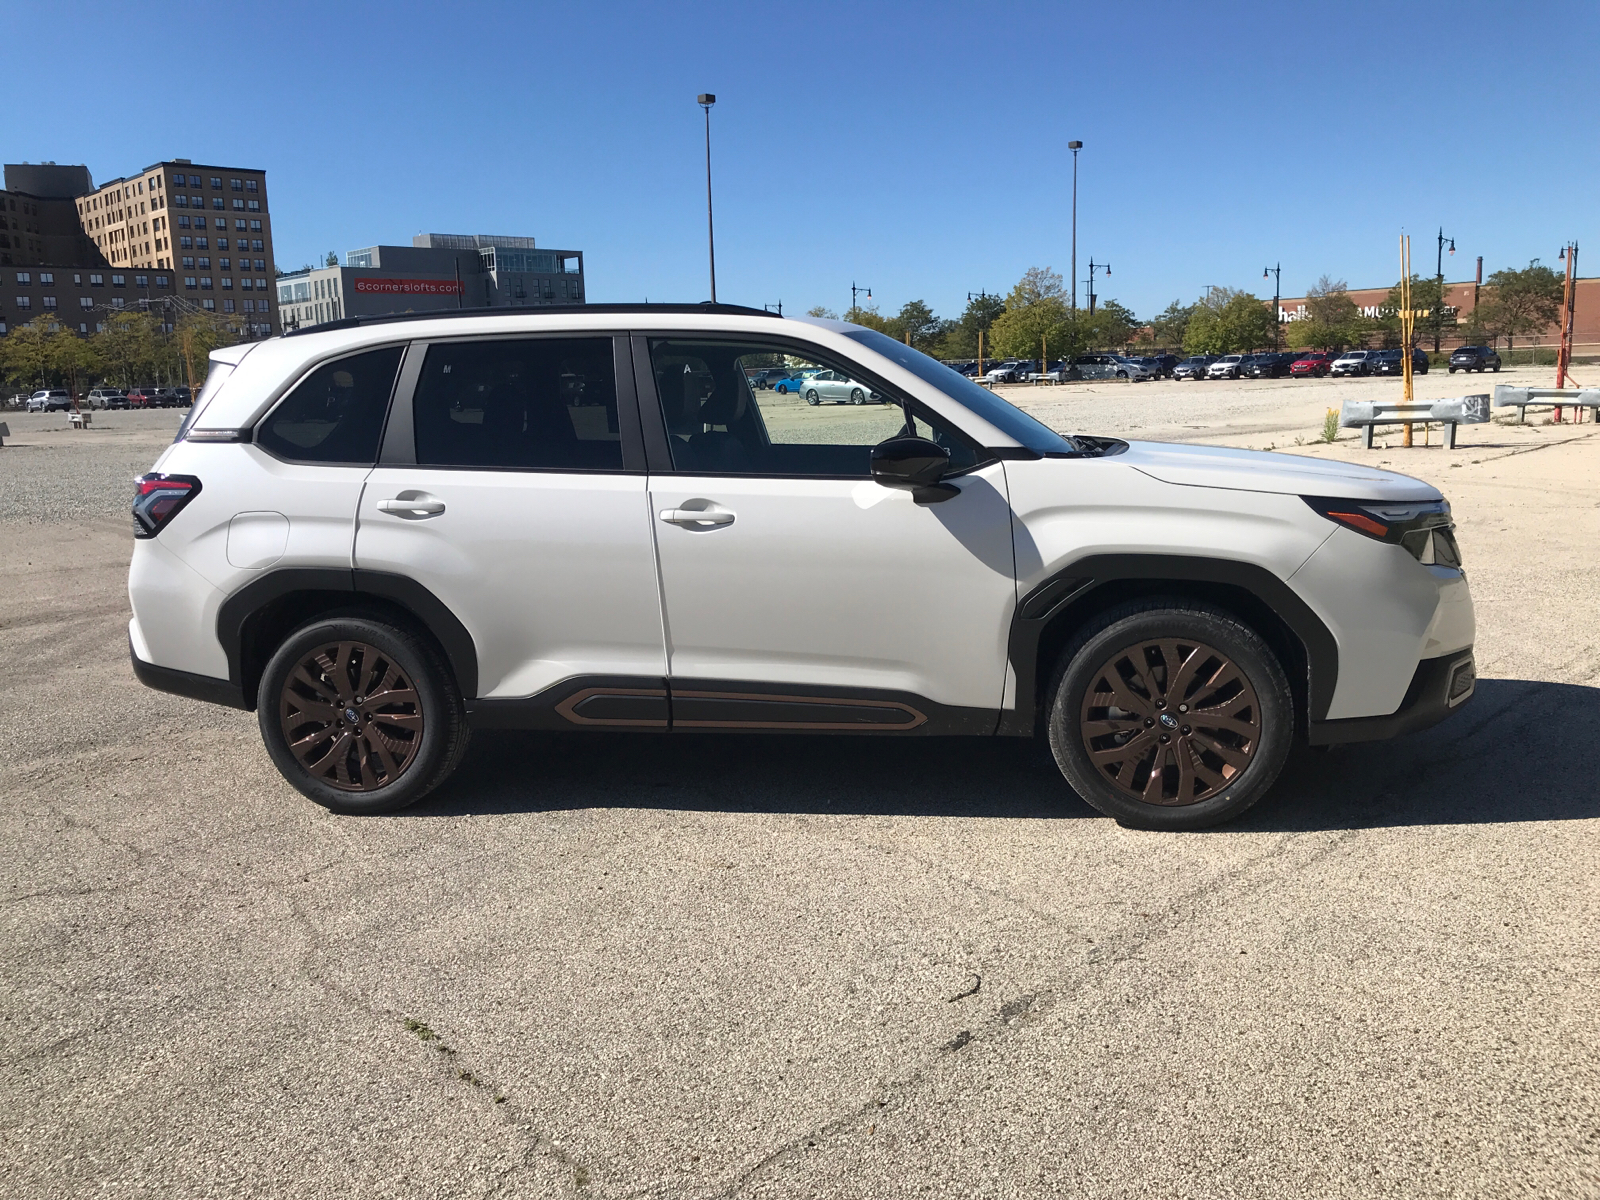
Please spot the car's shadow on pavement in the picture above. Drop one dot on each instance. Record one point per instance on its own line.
(1518, 752)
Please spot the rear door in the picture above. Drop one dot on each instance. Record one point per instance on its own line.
(512, 487)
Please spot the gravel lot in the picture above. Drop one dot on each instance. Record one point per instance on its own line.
(680, 967)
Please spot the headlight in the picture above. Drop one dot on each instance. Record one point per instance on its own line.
(1425, 529)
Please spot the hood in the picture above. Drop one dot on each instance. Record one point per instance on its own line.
(1261, 471)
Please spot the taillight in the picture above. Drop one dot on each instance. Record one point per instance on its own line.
(1425, 529)
(159, 498)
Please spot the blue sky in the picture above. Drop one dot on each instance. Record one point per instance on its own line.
(919, 149)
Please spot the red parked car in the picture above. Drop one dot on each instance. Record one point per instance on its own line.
(143, 397)
(1311, 366)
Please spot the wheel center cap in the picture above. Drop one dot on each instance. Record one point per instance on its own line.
(352, 716)
(1170, 721)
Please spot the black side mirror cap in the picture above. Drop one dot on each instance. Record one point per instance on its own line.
(916, 465)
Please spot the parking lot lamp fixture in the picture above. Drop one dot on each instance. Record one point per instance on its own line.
(1074, 147)
(1093, 267)
(1438, 311)
(706, 100)
(1277, 295)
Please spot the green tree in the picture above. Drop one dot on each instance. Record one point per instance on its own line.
(1249, 322)
(916, 325)
(869, 317)
(1521, 302)
(331, 259)
(25, 353)
(821, 311)
(961, 336)
(1111, 326)
(1168, 326)
(1426, 296)
(1036, 319)
(74, 359)
(1332, 320)
(198, 334)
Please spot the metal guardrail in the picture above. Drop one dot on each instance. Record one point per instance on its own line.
(1366, 415)
(1520, 398)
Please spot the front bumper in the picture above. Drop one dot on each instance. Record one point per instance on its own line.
(1439, 687)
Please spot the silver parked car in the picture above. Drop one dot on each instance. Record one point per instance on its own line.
(837, 386)
(1109, 366)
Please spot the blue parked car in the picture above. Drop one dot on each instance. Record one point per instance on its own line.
(794, 383)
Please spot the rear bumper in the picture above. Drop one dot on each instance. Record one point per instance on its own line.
(1439, 687)
(186, 683)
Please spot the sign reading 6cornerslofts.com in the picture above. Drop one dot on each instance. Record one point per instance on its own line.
(410, 287)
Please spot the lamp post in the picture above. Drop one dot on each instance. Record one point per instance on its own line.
(706, 100)
(1438, 308)
(854, 289)
(1074, 147)
(1277, 295)
(983, 326)
(1093, 267)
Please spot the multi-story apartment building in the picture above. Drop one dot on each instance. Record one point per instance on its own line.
(208, 225)
(38, 220)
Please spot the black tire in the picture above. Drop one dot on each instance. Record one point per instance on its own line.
(443, 715)
(812, 397)
(1085, 660)
(1496, 368)
(857, 396)
(1452, 370)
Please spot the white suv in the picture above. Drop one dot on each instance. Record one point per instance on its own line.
(382, 533)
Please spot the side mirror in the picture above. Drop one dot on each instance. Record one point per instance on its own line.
(915, 465)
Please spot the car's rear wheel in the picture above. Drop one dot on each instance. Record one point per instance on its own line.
(1496, 368)
(1170, 714)
(360, 715)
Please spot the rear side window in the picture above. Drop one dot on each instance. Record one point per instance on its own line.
(529, 404)
(336, 413)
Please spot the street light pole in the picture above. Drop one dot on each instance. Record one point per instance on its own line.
(1093, 267)
(853, 290)
(1438, 308)
(1277, 296)
(706, 100)
(1074, 147)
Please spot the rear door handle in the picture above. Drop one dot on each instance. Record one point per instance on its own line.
(696, 518)
(412, 508)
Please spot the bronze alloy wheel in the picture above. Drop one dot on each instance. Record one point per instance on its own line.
(1170, 721)
(351, 716)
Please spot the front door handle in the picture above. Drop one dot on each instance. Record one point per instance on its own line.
(696, 518)
(413, 506)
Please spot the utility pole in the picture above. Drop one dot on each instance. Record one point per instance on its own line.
(1074, 147)
(706, 100)
(982, 328)
(1438, 311)
(1569, 305)
(1277, 296)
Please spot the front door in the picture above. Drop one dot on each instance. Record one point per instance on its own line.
(504, 491)
(798, 592)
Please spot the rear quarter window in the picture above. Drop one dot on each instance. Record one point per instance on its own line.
(335, 414)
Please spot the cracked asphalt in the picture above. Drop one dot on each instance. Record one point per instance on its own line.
(612, 966)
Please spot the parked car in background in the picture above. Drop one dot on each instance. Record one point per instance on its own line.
(795, 381)
(1108, 366)
(1194, 367)
(1351, 362)
(1165, 364)
(1058, 371)
(838, 388)
(1270, 366)
(1474, 358)
(118, 400)
(18, 401)
(101, 397)
(185, 396)
(1012, 371)
(1311, 365)
(1393, 362)
(1226, 367)
(50, 400)
(767, 377)
(144, 397)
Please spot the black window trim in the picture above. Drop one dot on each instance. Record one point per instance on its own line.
(658, 446)
(399, 445)
(252, 434)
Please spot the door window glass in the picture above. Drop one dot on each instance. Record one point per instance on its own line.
(807, 417)
(336, 413)
(531, 404)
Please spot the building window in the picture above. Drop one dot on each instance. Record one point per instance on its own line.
(47, 277)
(83, 327)
(227, 283)
(188, 282)
(255, 206)
(216, 183)
(141, 281)
(239, 204)
(205, 283)
(216, 202)
(223, 264)
(236, 184)
(24, 277)
(24, 301)
(186, 243)
(181, 201)
(209, 304)
(119, 281)
(205, 263)
(249, 305)
(238, 224)
(227, 306)
(2, 326)
(183, 221)
(97, 281)
(199, 222)
(255, 244)
(188, 262)
(85, 302)
(116, 302)
(77, 281)
(200, 243)
(161, 281)
(245, 284)
(255, 226)
(49, 301)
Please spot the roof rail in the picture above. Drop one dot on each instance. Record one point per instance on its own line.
(731, 310)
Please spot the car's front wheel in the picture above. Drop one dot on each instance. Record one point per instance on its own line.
(812, 397)
(857, 396)
(361, 715)
(1170, 714)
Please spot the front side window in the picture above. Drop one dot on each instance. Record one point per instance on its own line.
(335, 414)
(812, 418)
(534, 404)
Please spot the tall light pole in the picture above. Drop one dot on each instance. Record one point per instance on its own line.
(1074, 147)
(1438, 309)
(1093, 267)
(853, 290)
(1277, 296)
(706, 100)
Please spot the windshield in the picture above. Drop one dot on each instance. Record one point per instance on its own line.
(1007, 418)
